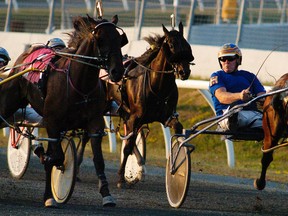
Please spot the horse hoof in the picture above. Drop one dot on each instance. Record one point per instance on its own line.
(141, 173)
(109, 201)
(258, 185)
(51, 203)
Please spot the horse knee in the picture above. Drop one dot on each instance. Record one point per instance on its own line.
(178, 127)
(175, 125)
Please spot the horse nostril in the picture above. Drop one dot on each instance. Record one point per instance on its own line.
(184, 74)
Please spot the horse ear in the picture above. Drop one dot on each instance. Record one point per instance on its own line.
(165, 30)
(115, 19)
(181, 28)
(90, 18)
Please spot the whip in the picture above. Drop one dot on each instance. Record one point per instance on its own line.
(263, 63)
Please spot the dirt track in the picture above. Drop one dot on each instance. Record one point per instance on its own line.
(208, 195)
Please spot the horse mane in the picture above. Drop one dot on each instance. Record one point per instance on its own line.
(83, 27)
(155, 42)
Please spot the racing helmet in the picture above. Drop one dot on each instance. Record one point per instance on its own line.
(4, 56)
(230, 49)
(56, 42)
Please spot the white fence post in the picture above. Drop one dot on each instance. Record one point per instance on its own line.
(167, 136)
(112, 136)
(230, 153)
(6, 131)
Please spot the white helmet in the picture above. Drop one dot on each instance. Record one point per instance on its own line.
(230, 49)
(56, 42)
(4, 56)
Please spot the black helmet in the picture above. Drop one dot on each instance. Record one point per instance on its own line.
(4, 56)
(56, 42)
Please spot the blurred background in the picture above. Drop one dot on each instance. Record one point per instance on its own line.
(256, 24)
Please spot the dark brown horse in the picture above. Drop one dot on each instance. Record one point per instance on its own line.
(73, 97)
(275, 116)
(149, 92)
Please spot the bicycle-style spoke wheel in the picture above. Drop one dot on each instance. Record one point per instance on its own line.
(133, 172)
(18, 153)
(63, 180)
(177, 184)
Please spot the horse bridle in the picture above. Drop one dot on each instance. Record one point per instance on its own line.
(124, 39)
(101, 61)
(173, 64)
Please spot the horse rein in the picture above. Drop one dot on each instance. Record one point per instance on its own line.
(71, 57)
(151, 70)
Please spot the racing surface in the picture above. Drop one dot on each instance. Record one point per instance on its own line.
(207, 195)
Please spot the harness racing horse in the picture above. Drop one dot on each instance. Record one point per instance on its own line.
(73, 97)
(275, 115)
(148, 92)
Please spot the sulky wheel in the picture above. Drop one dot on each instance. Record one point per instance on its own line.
(63, 178)
(18, 153)
(177, 184)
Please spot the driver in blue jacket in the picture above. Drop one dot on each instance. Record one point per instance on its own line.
(230, 86)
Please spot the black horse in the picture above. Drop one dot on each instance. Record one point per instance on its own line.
(148, 92)
(72, 97)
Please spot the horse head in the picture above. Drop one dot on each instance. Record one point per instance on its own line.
(105, 43)
(178, 51)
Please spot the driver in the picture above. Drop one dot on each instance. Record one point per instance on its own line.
(4, 60)
(230, 86)
(56, 44)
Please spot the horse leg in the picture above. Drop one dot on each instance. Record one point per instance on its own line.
(272, 131)
(126, 152)
(267, 158)
(174, 123)
(108, 200)
(53, 156)
(128, 148)
(80, 152)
